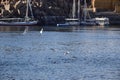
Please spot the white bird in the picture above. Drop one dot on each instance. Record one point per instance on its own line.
(67, 52)
(41, 31)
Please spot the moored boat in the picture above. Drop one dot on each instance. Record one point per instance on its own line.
(96, 22)
(92, 21)
(75, 19)
(84, 20)
(17, 22)
(102, 21)
(26, 21)
(70, 22)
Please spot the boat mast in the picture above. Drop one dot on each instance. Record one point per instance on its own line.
(31, 9)
(26, 17)
(73, 9)
(78, 9)
(85, 10)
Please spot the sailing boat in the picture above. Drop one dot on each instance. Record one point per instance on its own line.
(20, 21)
(73, 21)
(93, 21)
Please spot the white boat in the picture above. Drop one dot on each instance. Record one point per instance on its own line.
(27, 21)
(70, 22)
(96, 22)
(86, 21)
(93, 21)
(102, 21)
(73, 21)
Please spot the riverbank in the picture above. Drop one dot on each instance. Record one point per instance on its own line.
(49, 12)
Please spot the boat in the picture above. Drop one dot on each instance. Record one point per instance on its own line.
(93, 21)
(72, 21)
(96, 22)
(102, 21)
(16, 22)
(26, 21)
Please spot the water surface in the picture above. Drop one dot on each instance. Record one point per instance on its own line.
(72, 54)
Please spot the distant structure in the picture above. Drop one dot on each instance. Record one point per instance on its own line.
(110, 5)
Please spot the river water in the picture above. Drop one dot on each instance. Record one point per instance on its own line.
(77, 53)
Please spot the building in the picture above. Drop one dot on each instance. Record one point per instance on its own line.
(111, 5)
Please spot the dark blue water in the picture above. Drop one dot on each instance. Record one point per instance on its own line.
(79, 54)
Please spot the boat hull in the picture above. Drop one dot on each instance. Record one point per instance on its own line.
(60, 25)
(69, 24)
(29, 23)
